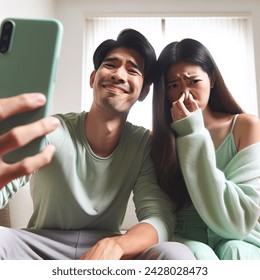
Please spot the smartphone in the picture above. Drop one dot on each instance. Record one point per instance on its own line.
(29, 54)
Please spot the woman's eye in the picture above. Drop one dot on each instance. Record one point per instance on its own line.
(193, 82)
(171, 85)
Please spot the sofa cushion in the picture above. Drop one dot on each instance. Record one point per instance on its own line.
(5, 217)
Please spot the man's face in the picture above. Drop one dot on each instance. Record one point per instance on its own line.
(118, 81)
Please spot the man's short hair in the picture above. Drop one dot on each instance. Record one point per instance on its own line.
(131, 39)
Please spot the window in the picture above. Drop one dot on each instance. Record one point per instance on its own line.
(229, 39)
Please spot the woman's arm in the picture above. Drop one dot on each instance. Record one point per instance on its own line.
(228, 201)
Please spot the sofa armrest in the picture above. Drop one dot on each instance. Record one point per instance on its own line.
(5, 217)
(18, 211)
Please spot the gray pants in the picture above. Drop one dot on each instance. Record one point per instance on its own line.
(71, 245)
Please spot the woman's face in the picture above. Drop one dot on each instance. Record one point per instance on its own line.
(185, 77)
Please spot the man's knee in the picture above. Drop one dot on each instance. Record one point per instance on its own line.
(6, 235)
(5, 240)
(167, 251)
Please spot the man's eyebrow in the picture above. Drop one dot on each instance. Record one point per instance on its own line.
(139, 68)
(110, 59)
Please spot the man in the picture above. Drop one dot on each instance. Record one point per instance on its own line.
(80, 199)
(20, 136)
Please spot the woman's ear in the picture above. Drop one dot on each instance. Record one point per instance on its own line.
(144, 93)
(92, 77)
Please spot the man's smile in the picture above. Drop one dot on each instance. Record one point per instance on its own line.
(115, 87)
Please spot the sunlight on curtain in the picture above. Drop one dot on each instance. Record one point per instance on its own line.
(229, 40)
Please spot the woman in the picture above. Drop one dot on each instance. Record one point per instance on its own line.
(206, 151)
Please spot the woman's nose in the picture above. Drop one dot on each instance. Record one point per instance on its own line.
(184, 90)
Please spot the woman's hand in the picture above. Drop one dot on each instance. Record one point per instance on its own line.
(183, 107)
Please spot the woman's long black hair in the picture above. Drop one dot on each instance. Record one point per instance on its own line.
(163, 152)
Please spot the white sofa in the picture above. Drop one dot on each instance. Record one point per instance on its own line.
(18, 211)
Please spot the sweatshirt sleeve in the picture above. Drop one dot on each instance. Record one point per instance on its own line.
(228, 201)
(153, 206)
(8, 191)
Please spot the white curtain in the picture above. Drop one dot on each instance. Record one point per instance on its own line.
(229, 39)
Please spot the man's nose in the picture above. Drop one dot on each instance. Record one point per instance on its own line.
(119, 75)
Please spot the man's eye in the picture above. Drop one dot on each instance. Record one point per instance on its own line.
(134, 72)
(109, 65)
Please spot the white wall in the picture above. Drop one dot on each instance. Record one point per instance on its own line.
(72, 14)
(71, 87)
(26, 8)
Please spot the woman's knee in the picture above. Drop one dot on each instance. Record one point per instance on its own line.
(237, 250)
(202, 251)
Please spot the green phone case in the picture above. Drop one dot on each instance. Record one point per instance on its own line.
(29, 66)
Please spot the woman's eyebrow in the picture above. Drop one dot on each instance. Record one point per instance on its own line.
(185, 75)
(192, 75)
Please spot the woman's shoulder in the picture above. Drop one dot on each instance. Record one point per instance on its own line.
(246, 130)
(247, 122)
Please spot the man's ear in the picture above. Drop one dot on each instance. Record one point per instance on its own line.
(144, 93)
(92, 77)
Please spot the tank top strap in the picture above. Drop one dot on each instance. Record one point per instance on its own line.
(234, 122)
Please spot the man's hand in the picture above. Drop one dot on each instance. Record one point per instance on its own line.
(105, 249)
(126, 246)
(20, 136)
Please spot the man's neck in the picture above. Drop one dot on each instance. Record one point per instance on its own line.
(103, 131)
